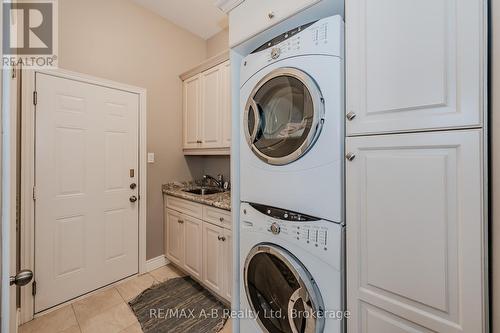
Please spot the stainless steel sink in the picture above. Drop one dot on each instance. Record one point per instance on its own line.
(204, 191)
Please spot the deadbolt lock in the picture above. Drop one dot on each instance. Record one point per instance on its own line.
(133, 186)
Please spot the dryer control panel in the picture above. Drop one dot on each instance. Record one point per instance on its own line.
(323, 37)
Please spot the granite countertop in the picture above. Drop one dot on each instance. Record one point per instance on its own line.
(218, 200)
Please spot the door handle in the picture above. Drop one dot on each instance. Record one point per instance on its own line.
(22, 278)
(133, 198)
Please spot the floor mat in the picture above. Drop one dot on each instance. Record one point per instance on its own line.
(179, 305)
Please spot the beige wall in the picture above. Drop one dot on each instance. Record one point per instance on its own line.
(218, 43)
(495, 166)
(120, 41)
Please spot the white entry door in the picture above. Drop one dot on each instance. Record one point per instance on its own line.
(86, 223)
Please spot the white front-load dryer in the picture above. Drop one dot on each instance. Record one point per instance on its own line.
(292, 117)
(291, 268)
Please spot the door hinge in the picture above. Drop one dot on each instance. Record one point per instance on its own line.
(33, 288)
(35, 98)
(34, 192)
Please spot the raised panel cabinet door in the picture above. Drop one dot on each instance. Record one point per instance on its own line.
(211, 108)
(226, 105)
(213, 256)
(415, 232)
(191, 112)
(252, 17)
(174, 237)
(193, 230)
(228, 265)
(414, 65)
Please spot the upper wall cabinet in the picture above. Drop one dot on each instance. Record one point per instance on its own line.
(414, 65)
(254, 16)
(206, 111)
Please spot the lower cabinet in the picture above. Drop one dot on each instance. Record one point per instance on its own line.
(213, 257)
(174, 237)
(228, 265)
(193, 246)
(415, 233)
(202, 249)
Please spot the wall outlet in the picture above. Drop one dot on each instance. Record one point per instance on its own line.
(151, 157)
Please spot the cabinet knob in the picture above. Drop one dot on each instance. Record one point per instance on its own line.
(180, 221)
(199, 141)
(221, 219)
(271, 15)
(350, 156)
(350, 116)
(221, 238)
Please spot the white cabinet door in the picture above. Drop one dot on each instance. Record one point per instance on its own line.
(213, 256)
(174, 237)
(226, 104)
(193, 229)
(253, 16)
(414, 65)
(228, 265)
(191, 112)
(211, 112)
(415, 230)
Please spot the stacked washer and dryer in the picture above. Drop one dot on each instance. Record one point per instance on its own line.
(292, 182)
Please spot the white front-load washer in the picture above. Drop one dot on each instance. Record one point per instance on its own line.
(291, 268)
(292, 117)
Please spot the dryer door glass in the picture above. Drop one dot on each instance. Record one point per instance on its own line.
(283, 116)
(281, 292)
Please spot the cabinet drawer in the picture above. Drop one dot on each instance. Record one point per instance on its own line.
(217, 216)
(186, 207)
(254, 16)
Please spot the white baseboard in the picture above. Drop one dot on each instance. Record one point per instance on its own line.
(155, 263)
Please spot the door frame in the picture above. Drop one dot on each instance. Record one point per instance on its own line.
(28, 171)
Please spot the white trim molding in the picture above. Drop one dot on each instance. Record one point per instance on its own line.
(28, 168)
(155, 263)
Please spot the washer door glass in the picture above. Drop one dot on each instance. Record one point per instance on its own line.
(281, 292)
(283, 116)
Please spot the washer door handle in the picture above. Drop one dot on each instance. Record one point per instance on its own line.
(300, 294)
(256, 116)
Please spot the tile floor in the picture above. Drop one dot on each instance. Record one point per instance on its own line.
(106, 311)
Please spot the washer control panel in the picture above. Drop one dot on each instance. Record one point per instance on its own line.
(319, 237)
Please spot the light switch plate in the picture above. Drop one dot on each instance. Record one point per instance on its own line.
(151, 157)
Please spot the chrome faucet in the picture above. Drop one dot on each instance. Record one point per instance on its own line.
(219, 180)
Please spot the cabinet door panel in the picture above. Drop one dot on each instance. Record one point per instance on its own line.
(414, 65)
(251, 17)
(415, 230)
(174, 237)
(193, 246)
(228, 265)
(191, 111)
(226, 104)
(374, 320)
(211, 121)
(213, 257)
